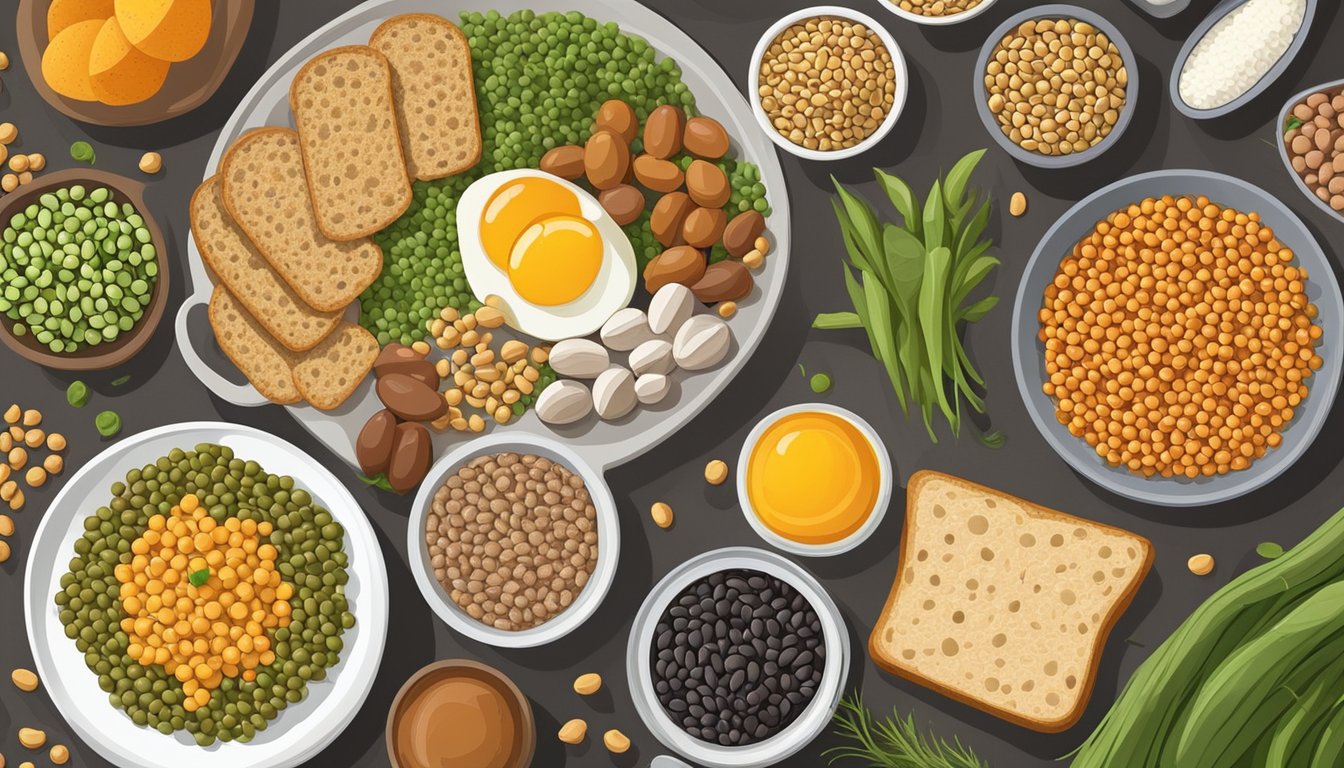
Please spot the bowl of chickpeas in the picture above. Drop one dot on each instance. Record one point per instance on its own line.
(1176, 338)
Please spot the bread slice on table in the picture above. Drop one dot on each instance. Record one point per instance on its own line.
(435, 93)
(266, 194)
(230, 255)
(330, 372)
(343, 108)
(1003, 604)
(268, 366)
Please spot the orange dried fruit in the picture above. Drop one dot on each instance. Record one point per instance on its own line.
(67, 13)
(65, 63)
(171, 30)
(121, 73)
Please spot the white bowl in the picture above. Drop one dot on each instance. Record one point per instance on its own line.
(301, 730)
(608, 542)
(897, 104)
(816, 717)
(938, 21)
(851, 541)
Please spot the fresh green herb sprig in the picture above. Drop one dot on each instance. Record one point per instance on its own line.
(380, 481)
(1291, 124)
(912, 290)
(893, 743)
(199, 578)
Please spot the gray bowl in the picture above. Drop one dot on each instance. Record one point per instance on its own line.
(1055, 12)
(1028, 352)
(1161, 10)
(1283, 146)
(1224, 8)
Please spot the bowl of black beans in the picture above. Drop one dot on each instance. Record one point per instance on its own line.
(737, 659)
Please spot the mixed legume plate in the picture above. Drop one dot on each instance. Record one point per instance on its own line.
(281, 544)
(1287, 441)
(602, 444)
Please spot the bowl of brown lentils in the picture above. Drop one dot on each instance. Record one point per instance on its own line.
(937, 12)
(1056, 86)
(513, 540)
(830, 83)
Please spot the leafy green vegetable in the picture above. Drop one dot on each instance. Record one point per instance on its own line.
(893, 743)
(377, 482)
(1291, 124)
(1269, 550)
(77, 394)
(198, 578)
(911, 284)
(108, 423)
(82, 151)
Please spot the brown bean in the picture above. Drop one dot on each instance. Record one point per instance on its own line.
(606, 159)
(739, 237)
(623, 202)
(410, 398)
(707, 184)
(704, 227)
(618, 117)
(411, 457)
(658, 175)
(398, 358)
(681, 264)
(705, 137)
(723, 281)
(663, 131)
(669, 213)
(373, 447)
(565, 162)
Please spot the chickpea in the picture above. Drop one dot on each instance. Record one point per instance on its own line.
(37, 162)
(9, 133)
(1178, 338)
(151, 163)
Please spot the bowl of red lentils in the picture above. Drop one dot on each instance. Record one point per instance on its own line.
(828, 83)
(513, 540)
(1176, 338)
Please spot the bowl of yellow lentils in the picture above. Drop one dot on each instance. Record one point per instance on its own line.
(1176, 337)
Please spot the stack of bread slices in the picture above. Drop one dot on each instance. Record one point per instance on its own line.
(285, 225)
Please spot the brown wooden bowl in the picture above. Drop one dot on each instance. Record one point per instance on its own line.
(523, 750)
(113, 353)
(190, 83)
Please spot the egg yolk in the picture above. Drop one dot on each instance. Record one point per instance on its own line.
(556, 260)
(517, 205)
(813, 478)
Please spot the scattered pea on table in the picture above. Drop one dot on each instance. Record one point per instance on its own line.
(108, 423)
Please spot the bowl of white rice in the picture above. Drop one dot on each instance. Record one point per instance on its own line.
(1237, 52)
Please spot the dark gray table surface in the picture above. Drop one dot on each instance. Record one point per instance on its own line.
(937, 127)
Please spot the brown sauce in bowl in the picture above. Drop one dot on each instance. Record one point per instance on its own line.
(460, 715)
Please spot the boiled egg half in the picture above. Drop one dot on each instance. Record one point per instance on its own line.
(558, 263)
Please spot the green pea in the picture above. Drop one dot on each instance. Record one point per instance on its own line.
(82, 151)
(77, 394)
(108, 423)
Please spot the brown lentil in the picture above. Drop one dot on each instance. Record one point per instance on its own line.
(1179, 338)
(513, 539)
(1056, 86)
(1316, 146)
(827, 83)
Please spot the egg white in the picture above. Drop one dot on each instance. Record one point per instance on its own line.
(610, 291)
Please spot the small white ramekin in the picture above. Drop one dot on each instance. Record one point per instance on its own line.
(938, 21)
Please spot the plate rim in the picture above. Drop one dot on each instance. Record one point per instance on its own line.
(357, 527)
(1237, 484)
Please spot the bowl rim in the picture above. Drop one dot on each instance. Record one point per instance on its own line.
(504, 684)
(875, 515)
(1283, 146)
(815, 718)
(1056, 10)
(589, 598)
(1028, 364)
(1161, 10)
(901, 73)
(108, 355)
(1266, 80)
(938, 21)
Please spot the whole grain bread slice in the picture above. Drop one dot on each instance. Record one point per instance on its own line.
(343, 107)
(268, 366)
(330, 372)
(435, 93)
(266, 193)
(250, 279)
(1003, 604)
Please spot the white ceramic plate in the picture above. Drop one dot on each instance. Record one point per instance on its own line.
(301, 730)
(602, 444)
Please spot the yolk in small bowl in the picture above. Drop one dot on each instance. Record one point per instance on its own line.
(813, 478)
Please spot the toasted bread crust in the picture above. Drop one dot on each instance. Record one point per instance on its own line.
(877, 651)
(269, 368)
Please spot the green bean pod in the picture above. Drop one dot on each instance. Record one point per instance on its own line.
(1249, 679)
(1331, 745)
(1318, 696)
(1135, 730)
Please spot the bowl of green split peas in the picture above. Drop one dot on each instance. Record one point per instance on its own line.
(83, 270)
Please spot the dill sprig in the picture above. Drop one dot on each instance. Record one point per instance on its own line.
(893, 743)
